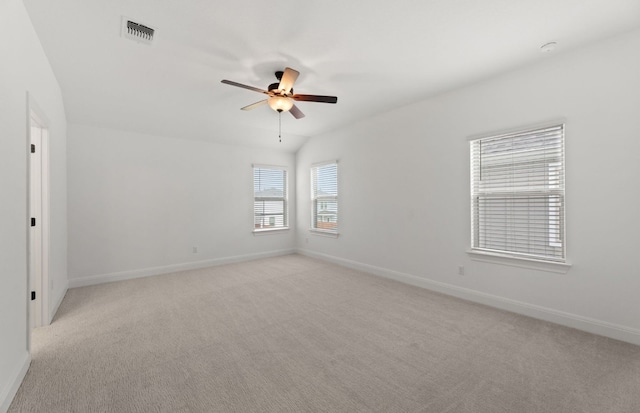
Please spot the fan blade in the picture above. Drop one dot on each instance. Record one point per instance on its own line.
(255, 89)
(297, 113)
(255, 105)
(315, 98)
(288, 79)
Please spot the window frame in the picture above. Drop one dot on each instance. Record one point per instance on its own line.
(284, 199)
(518, 258)
(324, 198)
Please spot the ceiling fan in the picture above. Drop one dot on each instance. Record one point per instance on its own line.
(281, 94)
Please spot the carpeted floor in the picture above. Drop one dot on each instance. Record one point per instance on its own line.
(294, 334)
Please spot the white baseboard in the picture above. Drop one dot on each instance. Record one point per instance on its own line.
(587, 324)
(15, 380)
(147, 272)
(54, 310)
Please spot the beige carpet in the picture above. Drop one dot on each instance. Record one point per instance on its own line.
(293, 334)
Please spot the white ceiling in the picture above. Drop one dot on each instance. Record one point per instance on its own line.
(374, 55)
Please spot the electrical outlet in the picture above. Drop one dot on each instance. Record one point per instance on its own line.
(195, 250)
(306, 240)
(460, 269)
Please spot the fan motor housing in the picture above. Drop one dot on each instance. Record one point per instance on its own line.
(275, 86)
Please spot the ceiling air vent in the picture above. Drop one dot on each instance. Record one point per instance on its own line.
(137, 31)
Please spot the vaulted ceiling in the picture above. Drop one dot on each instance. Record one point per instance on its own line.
(374, 55)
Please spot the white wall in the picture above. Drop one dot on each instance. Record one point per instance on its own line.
(25, 68)
(404, 194)
(138, 204)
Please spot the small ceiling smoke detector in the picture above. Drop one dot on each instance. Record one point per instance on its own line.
(548, 47)
(136, 31)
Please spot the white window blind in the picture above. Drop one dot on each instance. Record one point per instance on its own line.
(517, 194)
(324, 194)
(270, 198)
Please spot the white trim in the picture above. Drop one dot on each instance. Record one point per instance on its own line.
(41, 117)
(527, 127)
(324, 232)
(591, 325)
(147, 272)
(267, 166)
(45, 286)
(521, 262)
(266, 231)
(10, 390)
(55, 308)
(323, 163)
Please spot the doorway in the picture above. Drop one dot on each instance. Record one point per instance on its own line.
(38, 204)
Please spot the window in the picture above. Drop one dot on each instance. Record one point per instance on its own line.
(269, 198)
(324, 197)
(517, 194)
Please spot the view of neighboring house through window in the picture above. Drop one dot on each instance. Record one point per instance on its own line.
(517, 194)
(324, 197)
(270, 198)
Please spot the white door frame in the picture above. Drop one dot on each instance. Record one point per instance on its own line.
(38, 208)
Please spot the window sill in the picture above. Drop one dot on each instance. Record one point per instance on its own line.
(532, 264)
(330, 234)
(270, 231)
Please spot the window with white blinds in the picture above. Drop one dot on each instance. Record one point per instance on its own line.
(270, 198)
(324, 197)
(517, 194)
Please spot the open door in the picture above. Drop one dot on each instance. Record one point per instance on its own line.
(38, 220)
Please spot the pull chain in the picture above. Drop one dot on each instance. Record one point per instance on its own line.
(280, 126)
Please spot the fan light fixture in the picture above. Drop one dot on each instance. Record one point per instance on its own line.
(280, 103)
